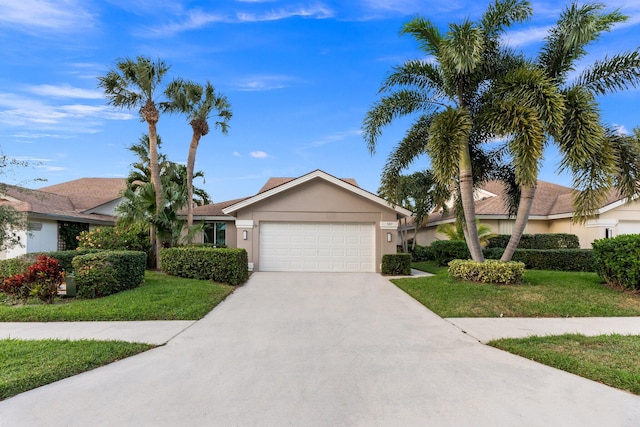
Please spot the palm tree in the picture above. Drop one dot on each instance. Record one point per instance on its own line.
(138, 206)
(133, 84)
(198, 104)
(594, 154)
(447, 92)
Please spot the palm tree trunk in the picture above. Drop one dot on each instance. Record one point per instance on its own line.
(524, 209)
(152, 238)
(468, 205)
(157, 183)
(191, 161)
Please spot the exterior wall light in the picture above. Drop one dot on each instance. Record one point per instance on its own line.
(245, 234)
(389, 237)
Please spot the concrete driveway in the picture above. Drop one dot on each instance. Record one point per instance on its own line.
(293, 349)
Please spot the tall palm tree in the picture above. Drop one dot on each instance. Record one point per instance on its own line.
(198, 103)
(593, 154)
(133, 84)
(447, 92)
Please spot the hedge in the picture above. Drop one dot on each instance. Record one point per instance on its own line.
(538, 241)
(558, 259)
(11, 267)
(422, 253)
(447, 250)
(65, 258)
(224, 265)
(490, 271)
(108, 272)
(396, 264)
(617, 260)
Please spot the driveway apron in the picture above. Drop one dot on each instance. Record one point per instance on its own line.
(322, 349)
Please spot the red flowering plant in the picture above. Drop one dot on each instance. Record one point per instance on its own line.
(41, 279)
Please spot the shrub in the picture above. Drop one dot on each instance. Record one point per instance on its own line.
(11, 267)
(65, 258)
(538, 241)
(617, 260)
(558, 259)
(396, 264)
(490, 271)
(115, 239)
(447, 250)
(41, 279)
(422, 253)
(223, 265)
(108, 272)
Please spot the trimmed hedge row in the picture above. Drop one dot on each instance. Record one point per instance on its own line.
(422, 253)
(490, 271)
(445, 251)
(617, 260)
(225, 265)
(65, 258)
(396, 264)
(538, 241)
(108, 272)
(557, 259)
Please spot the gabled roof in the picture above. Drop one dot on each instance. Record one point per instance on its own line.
(213, 209)
(289, 183)
(89, 193)
(43, 203)
(276, 182)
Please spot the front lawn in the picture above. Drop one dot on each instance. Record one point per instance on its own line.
(608, 359)
(544, 294)
(25, 365)
(161, 297)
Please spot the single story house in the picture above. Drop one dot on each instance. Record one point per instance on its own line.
(83, 203)
(315, 222)
(552, 212)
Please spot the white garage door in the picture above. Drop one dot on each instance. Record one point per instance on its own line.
(629, 227)
(301, 246)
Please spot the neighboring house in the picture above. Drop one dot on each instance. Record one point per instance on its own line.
(83, 203)
(316, 222)
(552, 212)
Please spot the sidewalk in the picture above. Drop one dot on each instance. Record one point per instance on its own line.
(152, 331)
(487, 329)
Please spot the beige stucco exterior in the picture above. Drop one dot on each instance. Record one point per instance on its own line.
(315, 201)
(618, 218)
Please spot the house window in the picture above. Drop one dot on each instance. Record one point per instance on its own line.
(608, 233)
(216, 233)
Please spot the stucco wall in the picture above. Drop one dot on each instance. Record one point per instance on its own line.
(45, 239)
(316, 201)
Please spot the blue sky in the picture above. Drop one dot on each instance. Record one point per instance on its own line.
(300, 76)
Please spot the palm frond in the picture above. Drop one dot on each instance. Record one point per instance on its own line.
(463, 48)
(427, 34)
(504, 13)
(448, 135)
(617, 73)
(415, 73)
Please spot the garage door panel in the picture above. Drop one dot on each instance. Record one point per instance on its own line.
(316, 247)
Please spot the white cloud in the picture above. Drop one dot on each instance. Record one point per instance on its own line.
(236, 154)
(197, 18)
(54, 15)
(258, 154)
(526, 37)
(335, 137)
(65, 91)
(263, 82)
(620, 129)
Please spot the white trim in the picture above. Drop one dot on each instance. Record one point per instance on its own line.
(607, 223)
(388, 225)
(617, 203)
(219, 218)
(306, 178)
(244, 223)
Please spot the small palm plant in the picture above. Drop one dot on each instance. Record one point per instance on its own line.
(454, 231)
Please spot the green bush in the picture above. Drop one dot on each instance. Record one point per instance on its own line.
(396, 264)
(65, 258)
(538, 241)
(422, 253)
(11, 267)
(224, 265)
(447, 250)
(115, 238)
(557, 259)
(617, 260)
(490, 271)
(108, 272)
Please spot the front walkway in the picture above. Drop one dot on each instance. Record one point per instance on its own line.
(292, 349)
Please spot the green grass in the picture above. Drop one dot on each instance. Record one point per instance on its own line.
(25, 365)
(161, 297)
(544, 294)
(608, 359)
